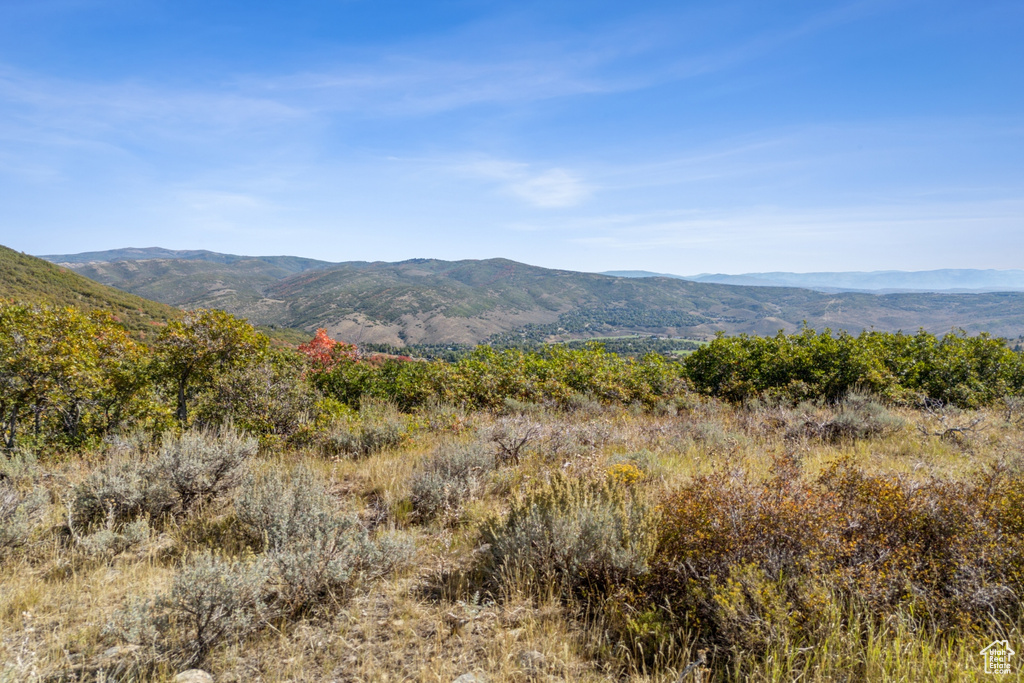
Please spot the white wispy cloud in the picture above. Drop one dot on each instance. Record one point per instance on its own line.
(554, 188)
(416, 86)
(811, 238)
(548, 188)
(397, 80)
(408, 80)
(85, 109)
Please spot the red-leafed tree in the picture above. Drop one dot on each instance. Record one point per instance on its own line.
(324, 353)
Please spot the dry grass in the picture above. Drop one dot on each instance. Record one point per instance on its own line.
(443, 617)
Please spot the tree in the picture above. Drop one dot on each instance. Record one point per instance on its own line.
(324, 353)
(272, 397)
(192, 352)
(67, 373)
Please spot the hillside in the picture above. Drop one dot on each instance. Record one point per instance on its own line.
(33, 280)
(433, 301)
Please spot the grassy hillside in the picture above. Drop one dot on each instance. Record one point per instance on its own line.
(430, 301)
(29, 279)
(193, 283)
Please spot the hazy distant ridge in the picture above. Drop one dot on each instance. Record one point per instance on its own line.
(944, 280)
(291, 264)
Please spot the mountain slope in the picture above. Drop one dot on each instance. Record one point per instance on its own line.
(433, 301)
(33, 280)
(235, 286)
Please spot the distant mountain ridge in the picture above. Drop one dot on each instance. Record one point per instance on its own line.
(291, 264)
(880, 281)
(473, 301)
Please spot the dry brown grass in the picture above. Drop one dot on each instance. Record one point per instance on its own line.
(440, 618)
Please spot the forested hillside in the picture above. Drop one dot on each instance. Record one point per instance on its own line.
(32, 280)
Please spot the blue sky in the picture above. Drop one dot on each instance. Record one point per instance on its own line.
(678, 137)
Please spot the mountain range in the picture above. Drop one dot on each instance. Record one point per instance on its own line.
(472, 301)
(879, 281)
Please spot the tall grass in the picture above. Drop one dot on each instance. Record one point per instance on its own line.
(731, 542)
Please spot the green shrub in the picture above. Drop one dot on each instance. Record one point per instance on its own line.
(272, 508)
(512, 406)
(22, 499)
(577, 535)
(189, 470)
(585, 405)
(436, 416)
(452, 475)
(966, 371)
(857, 416)
(569, 437)
(271, 398)
(365, 439)
(20, 469)
(716, 438)
(488, 378)
(137, 443)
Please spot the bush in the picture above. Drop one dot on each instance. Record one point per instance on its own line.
(732, 551)
(200, 466)
(271, 398)
(20, 469)
(644, 462)
(488, 378)
(211, 601)
(111, 541)
(858, 416)
(966, 371)
(449, 478)
(716, 438)
(20, 513)
(511, 435)
(436, 416)
(583, 405)
(316, 553)
(511, 406)
(189, 470)
(379, 427)
(119, 491)
(861, 416)
(718, 521)
(575, 534)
